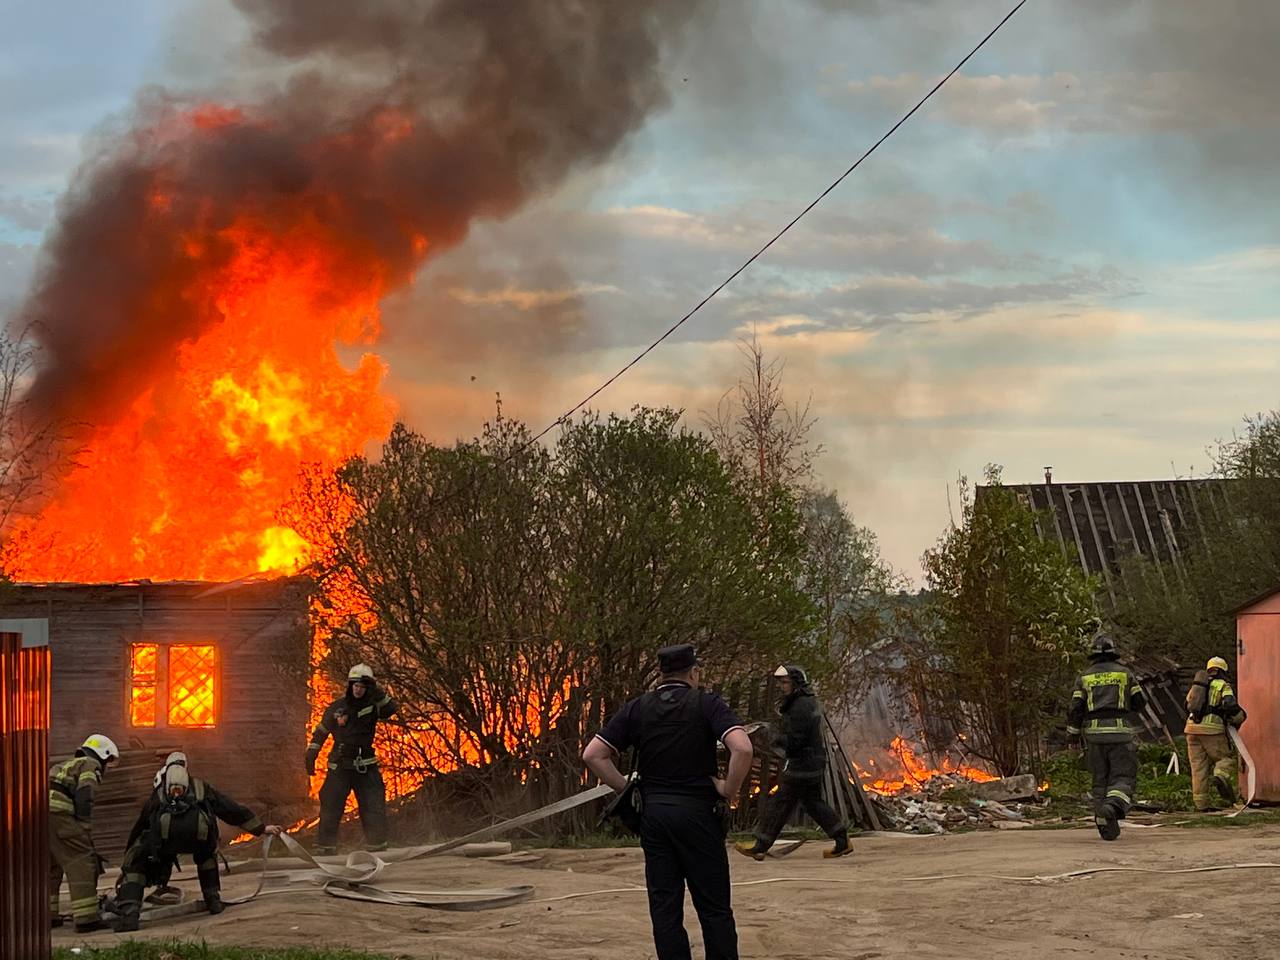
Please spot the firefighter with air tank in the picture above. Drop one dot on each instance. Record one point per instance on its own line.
(1212, 708)
(179, 817)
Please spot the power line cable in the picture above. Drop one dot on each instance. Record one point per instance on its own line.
(775, 238)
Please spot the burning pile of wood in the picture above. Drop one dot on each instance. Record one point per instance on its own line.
(947, 801)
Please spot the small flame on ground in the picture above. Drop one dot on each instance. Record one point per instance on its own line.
(915, 772)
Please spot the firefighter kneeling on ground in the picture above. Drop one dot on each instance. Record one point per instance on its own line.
(72, 785)
(1211, 708)
(1104, 696)
(180, 816)
(352, 721)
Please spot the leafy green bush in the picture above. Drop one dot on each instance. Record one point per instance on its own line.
(1069, 778)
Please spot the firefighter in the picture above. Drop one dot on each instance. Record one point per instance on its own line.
(800, 782)
(72, 785)
(352, 721)
(674, 729)
(1211, 708)
(1105, 695)
(180, 816)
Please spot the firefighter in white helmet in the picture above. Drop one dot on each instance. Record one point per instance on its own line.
(72, 785)
(352, 721)
(1211, 708)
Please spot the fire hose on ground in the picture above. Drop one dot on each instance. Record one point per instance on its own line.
(354, 879)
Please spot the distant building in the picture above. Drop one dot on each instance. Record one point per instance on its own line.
(1098, 525)
(217, 670)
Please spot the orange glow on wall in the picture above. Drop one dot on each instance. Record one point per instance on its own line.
(193, 685)
(143, 661)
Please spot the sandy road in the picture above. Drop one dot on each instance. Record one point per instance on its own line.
(1119, 916)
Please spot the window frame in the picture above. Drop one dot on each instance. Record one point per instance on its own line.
(162, 682)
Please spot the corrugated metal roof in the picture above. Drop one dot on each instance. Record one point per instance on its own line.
(1098, 525)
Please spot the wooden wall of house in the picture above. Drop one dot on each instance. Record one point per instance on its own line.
(254, 753)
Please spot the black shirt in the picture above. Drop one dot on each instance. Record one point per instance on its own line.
(674, 729)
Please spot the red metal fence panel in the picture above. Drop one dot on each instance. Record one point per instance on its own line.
(24, 800)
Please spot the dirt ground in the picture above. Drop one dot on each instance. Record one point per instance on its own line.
(1153, 916)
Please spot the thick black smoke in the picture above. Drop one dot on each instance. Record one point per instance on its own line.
(383, 121)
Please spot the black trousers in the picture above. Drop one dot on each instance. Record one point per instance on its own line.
(792, 794)
(683, 842)
(140, 870)
(371, 800)
(1114, 765)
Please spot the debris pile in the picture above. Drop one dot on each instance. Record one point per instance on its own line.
(948, 801)
(935, 800)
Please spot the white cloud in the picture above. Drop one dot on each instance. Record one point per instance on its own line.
(1095, 102)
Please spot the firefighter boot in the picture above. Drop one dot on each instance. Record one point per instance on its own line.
(1224, 790)
(126, 921)
(750, 849)
(841, 849)
(1108, 821)
(88, 926)
(213, 902)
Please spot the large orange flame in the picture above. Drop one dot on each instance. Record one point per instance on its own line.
(910, 772)
(186, 484)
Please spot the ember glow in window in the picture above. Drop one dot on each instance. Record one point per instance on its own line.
(143, 660)
(193, 686)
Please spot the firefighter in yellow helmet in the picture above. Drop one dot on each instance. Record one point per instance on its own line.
(72, 785)
(1105, 694)
(1211, 708)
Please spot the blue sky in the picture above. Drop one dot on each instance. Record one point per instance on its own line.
(1069, 258)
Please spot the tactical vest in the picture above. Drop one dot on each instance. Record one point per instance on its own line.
(675, 748)
(184, 823)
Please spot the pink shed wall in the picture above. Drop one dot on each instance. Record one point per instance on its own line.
(1258, 689)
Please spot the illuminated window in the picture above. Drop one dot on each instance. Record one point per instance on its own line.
(193, 673)
(143, 659)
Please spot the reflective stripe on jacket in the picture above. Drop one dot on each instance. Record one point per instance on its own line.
(72, 784)
(1221, 709)
(1105, 694)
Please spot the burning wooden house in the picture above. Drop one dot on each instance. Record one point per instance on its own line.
(216, 670)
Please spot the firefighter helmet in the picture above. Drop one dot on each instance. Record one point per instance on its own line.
(101, 747)
(177, 757)
(1216, 663)
(1102, 646)
(793, 672)
(361, 672)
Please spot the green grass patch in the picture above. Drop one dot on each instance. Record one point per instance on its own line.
(1069, 778)
(199, 950)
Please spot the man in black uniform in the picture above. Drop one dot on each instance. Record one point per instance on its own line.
(180, 816)
(352, 720)
(1105, 695)
(800, 783)
(674, 729)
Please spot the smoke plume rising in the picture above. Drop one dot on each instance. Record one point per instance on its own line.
(379, 133)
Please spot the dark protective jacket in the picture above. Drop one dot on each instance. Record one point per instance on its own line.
(72, 785)
(352, 723)
(1214, 709)
(800, 736)
(190, 824)
(1106, 695)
